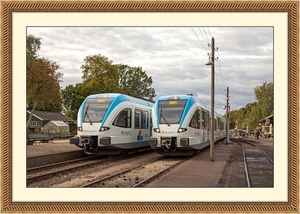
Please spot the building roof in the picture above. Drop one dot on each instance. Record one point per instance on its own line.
(46, 115)
(58, 123)
(268, 117)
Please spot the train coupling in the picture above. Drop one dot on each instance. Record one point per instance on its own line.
(169, 144)
(76, 140)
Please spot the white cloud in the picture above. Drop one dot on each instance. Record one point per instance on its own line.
(172, 56)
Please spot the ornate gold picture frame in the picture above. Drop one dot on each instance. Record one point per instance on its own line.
(291, 8)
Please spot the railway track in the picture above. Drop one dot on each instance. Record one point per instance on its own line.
(138, 175)
(48, 171)
(53, 174)
(249, 165)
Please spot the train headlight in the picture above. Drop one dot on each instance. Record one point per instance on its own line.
(103, 128)
(180, 130)
(79, 128)
(156, 130)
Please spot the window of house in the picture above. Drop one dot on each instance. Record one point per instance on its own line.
(33, 123)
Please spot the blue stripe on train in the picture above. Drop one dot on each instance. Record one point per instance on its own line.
(119, 98)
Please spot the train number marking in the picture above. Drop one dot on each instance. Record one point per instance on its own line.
(173, 102)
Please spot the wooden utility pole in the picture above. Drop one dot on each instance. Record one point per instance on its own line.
(212, 104)
(227, 115)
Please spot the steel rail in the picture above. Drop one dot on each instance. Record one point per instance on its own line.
(246, 141)
(165, 170)
(121, 172)
(45, 175)
(245, 164)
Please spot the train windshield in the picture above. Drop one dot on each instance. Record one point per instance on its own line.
(170, 111)
(95, 109)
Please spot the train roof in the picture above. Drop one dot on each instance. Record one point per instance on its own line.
(185, 97)
(121, 97)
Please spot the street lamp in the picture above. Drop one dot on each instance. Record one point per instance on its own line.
(212, 105)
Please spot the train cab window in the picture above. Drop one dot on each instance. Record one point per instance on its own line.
(95, 109)
(123, 119)
(170, 111)
(137, 119)
(195, 121)
(205, 120)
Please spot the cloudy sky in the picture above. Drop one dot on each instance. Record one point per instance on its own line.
(174, 57)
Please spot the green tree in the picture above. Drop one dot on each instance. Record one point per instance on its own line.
(33, 44)
(233, 116)
(55, 106)
(73, 96)
(265, 98)
(253, 112)
(135, 82)
(99, 75)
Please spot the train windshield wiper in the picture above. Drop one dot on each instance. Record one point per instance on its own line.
(162, 116)
(86, 114)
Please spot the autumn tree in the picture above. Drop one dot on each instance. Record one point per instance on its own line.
(42, 83)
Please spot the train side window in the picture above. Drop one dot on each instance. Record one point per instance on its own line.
(220, 124)
(151, 119)
(137, 119)
(145, 119)
(123, 119)
(195, 121)
(205, 120)
(215, 128)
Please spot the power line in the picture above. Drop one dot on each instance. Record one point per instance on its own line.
(221, 74)
(199, 40)
(219, 77)
(209, 32)
(207, 40)
(206, 34)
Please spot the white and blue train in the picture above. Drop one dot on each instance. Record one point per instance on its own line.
(110, 123)
(181, 125)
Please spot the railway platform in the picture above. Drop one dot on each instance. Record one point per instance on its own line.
(58, 146)
(47, 153)
(199, 171)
